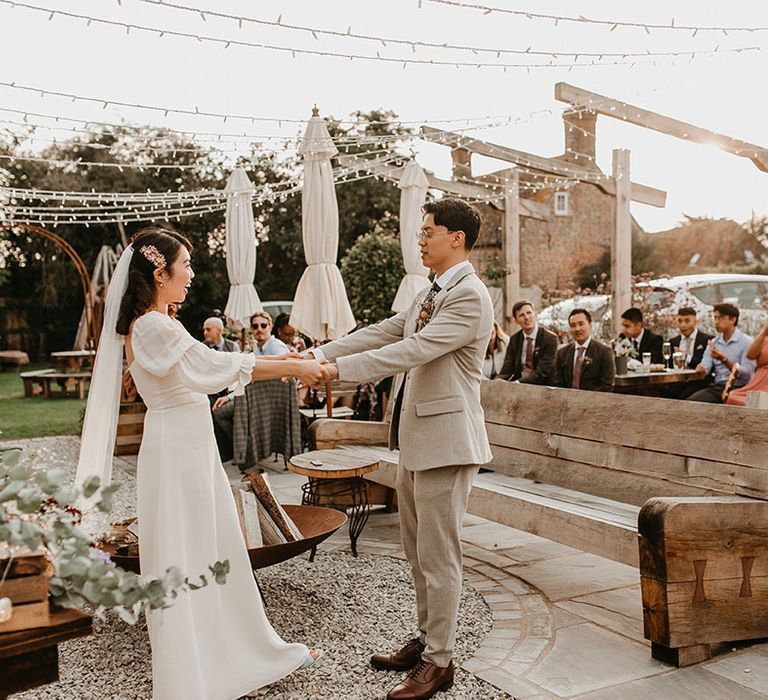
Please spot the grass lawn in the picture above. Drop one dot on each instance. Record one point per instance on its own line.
(22, 418)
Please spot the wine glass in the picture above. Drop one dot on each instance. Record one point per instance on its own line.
(666, 351)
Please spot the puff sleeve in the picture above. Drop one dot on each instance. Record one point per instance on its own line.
(162, 345)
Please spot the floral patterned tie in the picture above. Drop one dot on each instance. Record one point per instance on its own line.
(427, 307)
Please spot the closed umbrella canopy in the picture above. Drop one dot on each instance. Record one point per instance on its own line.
(320, 308)
(413, 185)
(243, 300)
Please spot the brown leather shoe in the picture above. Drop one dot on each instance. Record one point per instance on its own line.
(423, 682)
(401, 660)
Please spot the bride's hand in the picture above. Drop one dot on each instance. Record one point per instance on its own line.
(284, 356)
(310, 372)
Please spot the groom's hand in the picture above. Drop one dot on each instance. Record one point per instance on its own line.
(330, 372)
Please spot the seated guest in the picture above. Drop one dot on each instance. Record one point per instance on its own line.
(692, 342)
(266, 343)
(758, 351)
(643, 339)
(494, 353)
(585, 363)
(283, 330)
(213, 336)
(530, 357)
(728, 348)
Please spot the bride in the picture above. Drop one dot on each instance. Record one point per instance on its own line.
(217, 642)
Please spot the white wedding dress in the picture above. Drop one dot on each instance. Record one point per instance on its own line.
(214, 643)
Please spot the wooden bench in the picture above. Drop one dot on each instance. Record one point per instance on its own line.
(62, 381)
(678, 489)
(13, 358)
(34, 380)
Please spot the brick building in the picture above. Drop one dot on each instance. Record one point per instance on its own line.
(578, 227)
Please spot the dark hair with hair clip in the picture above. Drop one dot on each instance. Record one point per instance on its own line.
(161, 248)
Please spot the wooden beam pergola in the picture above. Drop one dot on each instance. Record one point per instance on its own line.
(588, 101)
(467, 190)
(640, 193)
(618, 185)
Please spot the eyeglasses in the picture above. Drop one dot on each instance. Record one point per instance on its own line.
(259, 325)
(424, 236)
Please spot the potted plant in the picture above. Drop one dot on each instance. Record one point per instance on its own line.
(40, 513)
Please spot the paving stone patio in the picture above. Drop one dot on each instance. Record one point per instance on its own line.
(566, 624)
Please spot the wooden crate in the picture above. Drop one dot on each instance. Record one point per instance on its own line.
(130, 428)
(26, 584)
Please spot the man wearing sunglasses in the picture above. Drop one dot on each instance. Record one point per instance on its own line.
(266, 343)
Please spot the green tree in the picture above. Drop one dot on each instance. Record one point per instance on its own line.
(372, 270)
(37, 278)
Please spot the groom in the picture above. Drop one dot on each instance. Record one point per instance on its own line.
(436, 348)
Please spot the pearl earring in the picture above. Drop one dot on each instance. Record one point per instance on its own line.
(161, 284)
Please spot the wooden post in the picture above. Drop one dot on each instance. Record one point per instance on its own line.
(511, 244)
(621, 244)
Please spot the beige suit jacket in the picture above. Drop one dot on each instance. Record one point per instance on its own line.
(441, 420)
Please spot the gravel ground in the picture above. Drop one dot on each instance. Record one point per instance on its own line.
(349, 607)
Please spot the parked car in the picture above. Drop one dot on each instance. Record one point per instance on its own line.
(275, 308)
(661, 298)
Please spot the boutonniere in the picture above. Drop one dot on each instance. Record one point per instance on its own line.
(535, 352)
(587, 361)
(700, 347)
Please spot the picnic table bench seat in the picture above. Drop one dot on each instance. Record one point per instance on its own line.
(13, 358)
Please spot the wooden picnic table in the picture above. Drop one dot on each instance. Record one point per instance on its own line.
(73, 360)
(650, 383)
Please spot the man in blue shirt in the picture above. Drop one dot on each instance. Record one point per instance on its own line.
(266, 343)
(727, 350)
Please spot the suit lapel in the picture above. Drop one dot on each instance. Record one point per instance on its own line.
(569, 357)
(441, 295)
(517, 348)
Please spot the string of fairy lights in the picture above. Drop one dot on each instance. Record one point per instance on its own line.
(51, 207)
(91, 208)
(612, 24)
(594, 58)
(414, 45)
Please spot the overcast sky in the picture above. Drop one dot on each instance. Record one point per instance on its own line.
(725, 93)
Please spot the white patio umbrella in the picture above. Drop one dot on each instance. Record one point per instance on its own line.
(243, 300)
(320, 308)
(413, 185)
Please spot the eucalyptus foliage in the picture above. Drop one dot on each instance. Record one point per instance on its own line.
(38, 511)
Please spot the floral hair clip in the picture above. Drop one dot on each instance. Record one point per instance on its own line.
(153, 255)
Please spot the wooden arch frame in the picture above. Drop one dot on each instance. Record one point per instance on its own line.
(77, 261)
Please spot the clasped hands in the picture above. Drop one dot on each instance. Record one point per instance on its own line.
(309, 371)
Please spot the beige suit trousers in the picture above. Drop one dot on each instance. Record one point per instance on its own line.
(432, 505)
